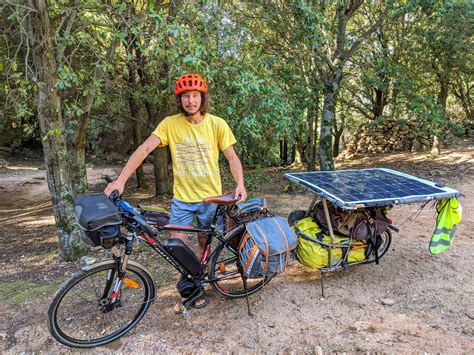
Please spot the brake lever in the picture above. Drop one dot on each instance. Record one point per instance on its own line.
(107, 178)
(115, 197)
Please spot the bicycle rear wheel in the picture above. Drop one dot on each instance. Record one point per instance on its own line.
(225, 269)
(80, 314)
(384, 241)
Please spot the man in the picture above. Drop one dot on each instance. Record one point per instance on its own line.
(195, 139)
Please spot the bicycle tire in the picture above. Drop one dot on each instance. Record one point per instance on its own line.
(384, 246)
(71, 324)
(225, 269)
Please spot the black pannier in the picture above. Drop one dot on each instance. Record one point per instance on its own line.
(98, 218)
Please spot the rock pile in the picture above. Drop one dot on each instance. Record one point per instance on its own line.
(392, 135)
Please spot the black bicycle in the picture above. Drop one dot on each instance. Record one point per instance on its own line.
(107, 299)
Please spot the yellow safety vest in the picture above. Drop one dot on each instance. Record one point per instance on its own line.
(449, 216)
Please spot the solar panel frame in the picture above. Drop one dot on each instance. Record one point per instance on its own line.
(390, 187)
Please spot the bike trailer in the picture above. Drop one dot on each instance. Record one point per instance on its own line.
(349, 209)
(265, 247)
(98, 219)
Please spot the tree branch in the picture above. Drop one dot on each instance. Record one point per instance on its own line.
(366, 34)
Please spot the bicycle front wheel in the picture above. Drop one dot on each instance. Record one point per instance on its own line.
(224, 269)
(82, 315)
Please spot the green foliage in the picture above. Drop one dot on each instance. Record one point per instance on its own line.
(262, 60)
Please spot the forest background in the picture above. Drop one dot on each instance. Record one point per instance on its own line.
(297, 81)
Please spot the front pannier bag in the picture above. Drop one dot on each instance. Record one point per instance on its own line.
(265, 247)
(98, 218)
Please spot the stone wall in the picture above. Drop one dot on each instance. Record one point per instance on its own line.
(392, 135)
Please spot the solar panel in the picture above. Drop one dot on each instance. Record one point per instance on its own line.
(358, 188)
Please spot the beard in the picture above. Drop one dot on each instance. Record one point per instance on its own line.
(188, 113)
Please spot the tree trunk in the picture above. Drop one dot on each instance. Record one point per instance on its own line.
(281, 150)
(325, 136)
(443, 93)
(298, 161)
(442, 100)
(76, 152)
(338, 134)
(284, 151)
(379, 103)
(311, 148)
(134, 117)
(310, 163)
(293, 154)
(136, 138)
(53, 130)
(436, 148)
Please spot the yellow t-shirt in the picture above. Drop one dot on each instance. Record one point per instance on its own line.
(195, 153)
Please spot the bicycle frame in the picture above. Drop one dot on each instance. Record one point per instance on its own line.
(157, 246)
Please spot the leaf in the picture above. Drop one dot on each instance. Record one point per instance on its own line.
(1, 67)
(188, 59)
(122, 8)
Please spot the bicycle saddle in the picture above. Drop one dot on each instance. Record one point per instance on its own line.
(227, 199)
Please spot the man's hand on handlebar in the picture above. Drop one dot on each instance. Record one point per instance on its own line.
(114, 186)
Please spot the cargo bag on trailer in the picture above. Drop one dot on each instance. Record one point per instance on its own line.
(311, 253)
(359, 224)
(265, 247)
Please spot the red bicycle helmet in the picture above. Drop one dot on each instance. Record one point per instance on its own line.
(190, 82)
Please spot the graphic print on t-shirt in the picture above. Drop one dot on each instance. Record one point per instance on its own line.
(192, 156)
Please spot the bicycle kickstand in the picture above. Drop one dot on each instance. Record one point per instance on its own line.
(244, 279)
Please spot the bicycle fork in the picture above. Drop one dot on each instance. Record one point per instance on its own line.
(109, 303)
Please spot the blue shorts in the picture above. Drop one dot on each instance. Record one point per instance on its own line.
(183, 213)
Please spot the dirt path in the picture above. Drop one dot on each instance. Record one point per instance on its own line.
(433, 296)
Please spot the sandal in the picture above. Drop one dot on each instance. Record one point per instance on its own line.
(178, 308)
(201, 302)
(198, 303)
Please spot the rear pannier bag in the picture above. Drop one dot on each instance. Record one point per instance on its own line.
(265, 247)
(244, 211)
(358, 224)
(98, 218)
